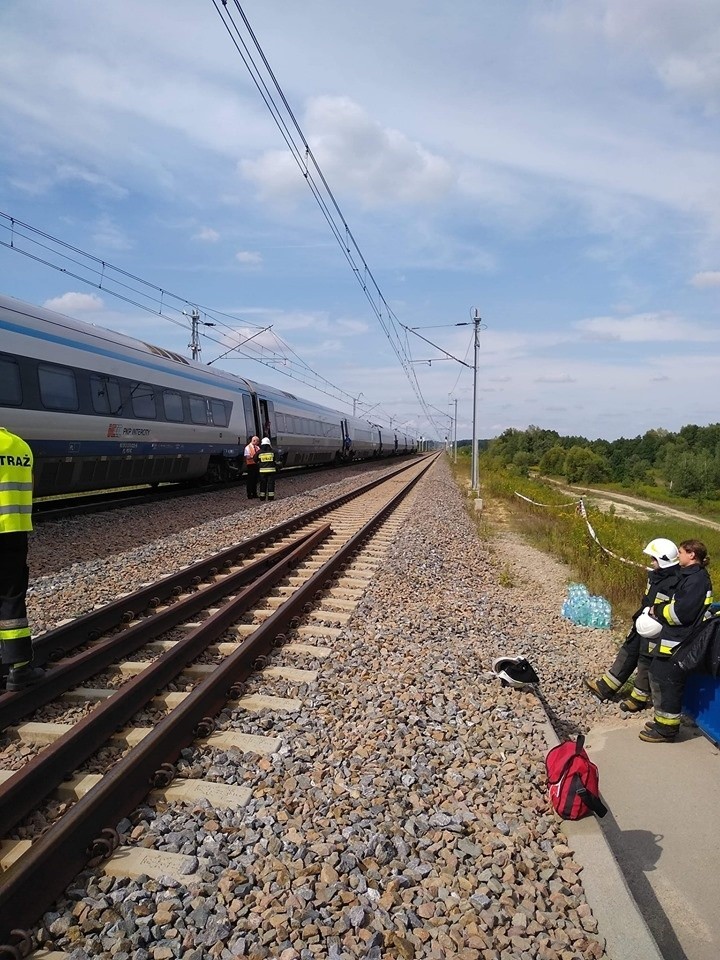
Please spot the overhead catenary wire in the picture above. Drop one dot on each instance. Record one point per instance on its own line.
(156, 300)
(306, 161)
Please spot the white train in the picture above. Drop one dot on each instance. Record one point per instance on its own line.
(103, 410)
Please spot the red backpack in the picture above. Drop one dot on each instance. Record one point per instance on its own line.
(573, 781)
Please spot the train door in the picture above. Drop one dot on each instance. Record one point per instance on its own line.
(250, 424)
(346, 439)
(267, 420)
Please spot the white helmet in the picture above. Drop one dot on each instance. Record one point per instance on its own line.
(647, 626)
(515, 671)
(265, 442)
(662, 550)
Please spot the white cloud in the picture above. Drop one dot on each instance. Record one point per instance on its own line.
(108, 236)
(249, 258)
(560, 378)
(646, 328)
(379, 165)
(71, 303)
(706, 278)
(678, 39)
(207, 235)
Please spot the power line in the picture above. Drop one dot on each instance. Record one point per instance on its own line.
(155, 300)
(307, 163)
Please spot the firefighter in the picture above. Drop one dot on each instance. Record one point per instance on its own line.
(663, 578)
(16, 483)
(266, 459)
(678, 618)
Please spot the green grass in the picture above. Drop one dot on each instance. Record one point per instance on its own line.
(563, 533)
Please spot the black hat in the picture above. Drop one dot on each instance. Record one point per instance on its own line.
(515, 671)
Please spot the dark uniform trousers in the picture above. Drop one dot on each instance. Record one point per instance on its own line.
(631, 655)
(14, 576)
(267, 486)
(635, 652)
(667, 680)
(251, 483)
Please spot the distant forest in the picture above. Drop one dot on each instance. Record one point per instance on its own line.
(686, 463)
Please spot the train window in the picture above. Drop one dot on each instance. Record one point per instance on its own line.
(198, 410)
(219, 413)
(280, 422)
(10, 390)
(105, 394)
(143, 401)
(172, 402)
(58, 389)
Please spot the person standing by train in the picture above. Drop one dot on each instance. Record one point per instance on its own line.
(677, 620)
(252, 467)
(16, 484)
(267, 469)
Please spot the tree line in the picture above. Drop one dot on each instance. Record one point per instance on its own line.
(687, 463)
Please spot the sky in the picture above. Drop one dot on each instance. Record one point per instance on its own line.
(552, 166)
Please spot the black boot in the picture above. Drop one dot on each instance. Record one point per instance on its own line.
(25, 676)
(601, 689)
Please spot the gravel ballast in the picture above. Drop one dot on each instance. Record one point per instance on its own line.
(405, 812)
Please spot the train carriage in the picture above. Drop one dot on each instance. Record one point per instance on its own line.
(102, 410)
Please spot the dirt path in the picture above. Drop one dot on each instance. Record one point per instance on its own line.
(638, 508)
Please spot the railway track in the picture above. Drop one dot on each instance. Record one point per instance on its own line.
(177, 651)
(63, 508)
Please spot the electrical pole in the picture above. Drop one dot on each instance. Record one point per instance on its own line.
(194, 344)
(455, 434)
(475, 481)
(194, 335)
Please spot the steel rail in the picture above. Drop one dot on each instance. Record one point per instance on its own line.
(19, 795)
(55, 643)
(60, 508)
(35, 881)
(72, 671)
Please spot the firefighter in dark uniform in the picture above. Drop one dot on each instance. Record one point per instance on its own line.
(663, 578)
(16, 483)
(266, 460)
(678, 619)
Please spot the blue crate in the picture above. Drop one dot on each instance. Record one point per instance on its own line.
(701, 701)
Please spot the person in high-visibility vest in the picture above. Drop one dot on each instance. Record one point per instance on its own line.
(251, 466)
(266, 459)
(16, 484)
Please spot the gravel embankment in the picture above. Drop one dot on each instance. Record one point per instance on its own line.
(78, 563)
(405, 814)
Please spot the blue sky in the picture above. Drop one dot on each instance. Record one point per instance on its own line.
(554, 164)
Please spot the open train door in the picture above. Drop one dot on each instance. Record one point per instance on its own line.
(268, 428)
(346, 453)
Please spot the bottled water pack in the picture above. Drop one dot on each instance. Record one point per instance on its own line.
(586, 610)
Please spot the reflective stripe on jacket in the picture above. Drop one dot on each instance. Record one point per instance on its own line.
(685, 609)
(266, 459)
(16, 466)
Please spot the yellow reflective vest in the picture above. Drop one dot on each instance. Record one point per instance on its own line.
(16, 483)
(266, 459)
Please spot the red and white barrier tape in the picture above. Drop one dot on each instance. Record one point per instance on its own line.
(580, 508)
(552, 506)
(630, 563)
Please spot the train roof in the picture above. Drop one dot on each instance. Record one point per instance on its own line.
(168, 359)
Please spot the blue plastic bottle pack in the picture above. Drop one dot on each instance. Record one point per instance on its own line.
(586, 610)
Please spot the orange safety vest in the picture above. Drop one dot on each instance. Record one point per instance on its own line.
(251, 460)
